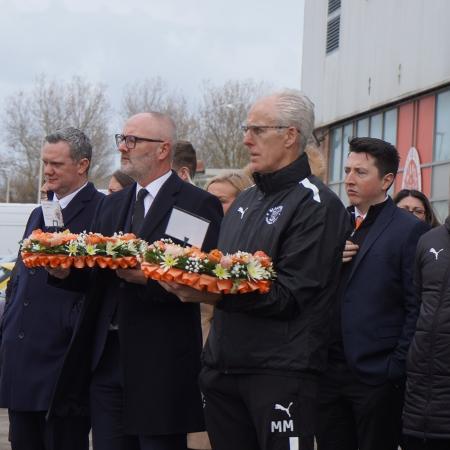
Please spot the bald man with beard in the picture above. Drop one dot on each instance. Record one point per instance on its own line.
(144, 344)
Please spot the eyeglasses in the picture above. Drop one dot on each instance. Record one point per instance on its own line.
(416, 211)
(130, 141)
(259, 129)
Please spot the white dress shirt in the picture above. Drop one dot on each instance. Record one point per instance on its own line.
(68, 198)
(153, 189)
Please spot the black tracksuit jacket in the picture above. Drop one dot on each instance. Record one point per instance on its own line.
(299, 222)
(426, 412)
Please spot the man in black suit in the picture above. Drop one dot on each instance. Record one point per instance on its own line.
(40, 320)
(145, 344)
(361, 393)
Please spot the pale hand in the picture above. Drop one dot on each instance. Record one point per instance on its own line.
(350, 251)
(190, 295)
(58, 272)
(134, 275)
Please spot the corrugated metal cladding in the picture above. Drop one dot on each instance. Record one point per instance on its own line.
(333, 5)
(333, 34)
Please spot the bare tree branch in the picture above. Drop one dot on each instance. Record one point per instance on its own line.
(29, 116)
(222, 112)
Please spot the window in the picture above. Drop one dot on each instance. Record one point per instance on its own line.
(336, 155)
(442, 131)
(440, 185)
(376, 126)
(333, 25)
(362, 127)
(339, 139)
(390, 126)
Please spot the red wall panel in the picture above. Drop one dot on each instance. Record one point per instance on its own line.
(425, 129)
(405, 130)
(415, 128)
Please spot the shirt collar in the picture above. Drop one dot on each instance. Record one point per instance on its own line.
(358, 213)
(63, 202)
(154, 187)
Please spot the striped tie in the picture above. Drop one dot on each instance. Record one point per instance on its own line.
(358, 221)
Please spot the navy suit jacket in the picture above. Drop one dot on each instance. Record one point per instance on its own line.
(379, 308)
(160, 337)
(39, 319)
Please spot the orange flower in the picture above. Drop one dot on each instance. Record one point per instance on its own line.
(94, 239)
(127, 237)
(215, 256)
(263, 258)
(196, 252)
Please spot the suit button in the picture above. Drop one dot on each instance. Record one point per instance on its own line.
(32, 271)
(26, 303)
(21, 335)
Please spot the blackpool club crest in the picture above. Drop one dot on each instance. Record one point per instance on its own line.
(273, 214)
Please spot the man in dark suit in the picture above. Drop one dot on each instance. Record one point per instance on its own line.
(39, 319)
(361, 394)
(146, 344)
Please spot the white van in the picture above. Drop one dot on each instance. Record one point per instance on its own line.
(13, 219)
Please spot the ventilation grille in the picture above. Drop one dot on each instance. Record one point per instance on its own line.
(333, 5)
(333, 34)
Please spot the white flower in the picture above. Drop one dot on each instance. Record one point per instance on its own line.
(111, 248)
(221, 273)
(131, 246)
(91, 249)
(255, 270)
(72, 248)
(168, 261)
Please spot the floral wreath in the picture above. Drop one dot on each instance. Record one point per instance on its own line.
(163, 260)
(240, 272)
(66, 249)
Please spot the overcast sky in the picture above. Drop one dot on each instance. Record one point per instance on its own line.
(120, 41)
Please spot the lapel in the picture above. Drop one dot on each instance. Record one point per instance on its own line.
(36, 221)
(76, 205)
(162, 204)
(378, 227)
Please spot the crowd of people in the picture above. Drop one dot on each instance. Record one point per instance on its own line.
(348, 349)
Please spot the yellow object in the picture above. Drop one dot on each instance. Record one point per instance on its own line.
(5, 272)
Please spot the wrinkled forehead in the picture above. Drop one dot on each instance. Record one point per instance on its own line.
(263, 111)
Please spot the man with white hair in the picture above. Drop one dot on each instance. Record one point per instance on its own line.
(265, 351)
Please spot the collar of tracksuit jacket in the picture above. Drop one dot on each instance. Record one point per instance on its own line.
(285, 177)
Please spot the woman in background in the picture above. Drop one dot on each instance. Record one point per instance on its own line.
(118, 181)
(418, 204)
(227, 186)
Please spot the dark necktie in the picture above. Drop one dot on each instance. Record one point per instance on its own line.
(138, 212)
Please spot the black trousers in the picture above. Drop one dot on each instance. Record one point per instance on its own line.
(413, 443)
(107, 409)
(259, 412)
(354, 415)
(30, 431)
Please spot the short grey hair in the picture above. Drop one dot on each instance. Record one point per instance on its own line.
(79, 144)
(167, 124)
(295, 109)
